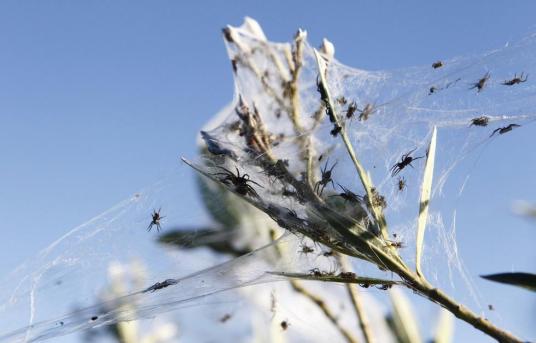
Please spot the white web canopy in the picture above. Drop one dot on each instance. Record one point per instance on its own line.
(66, 288)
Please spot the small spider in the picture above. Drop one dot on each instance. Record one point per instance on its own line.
(352, 108)
(480, 84)
(315, 272)
(378, 200)
(432, 90)
(516, 80)
(160, 285)
(326, 178)
(347, 195)
(335, 131)
(401, 183)
(490, 307)
(155, 221)
(366, 112)
(384, 287)
(240, 182)
(342, 100)
(225, 318)
(480, 121)
(347, 275)
(328, 253)
(437, 64)
(284, 325)
(405, 161)
(305, 249)
(395, 244)
(504, 129)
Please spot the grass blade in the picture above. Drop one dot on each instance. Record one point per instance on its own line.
(403, 319)
(445, 327)
(425, 199)
(524, 280)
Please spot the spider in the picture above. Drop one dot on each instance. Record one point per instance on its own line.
(347, 275)
(366, 112)
(315, 272)
(401, 183)
(516, 80)
(305, 249)
(504, 129)
(225, 318)
(284, 325)
(240, 182)
(352, 107)
(347, 195)
(336, 130)
(405, 161)
(160, 285)
(481, 83)
(395, 244)
(432, 90)
(480, 121)
(326, 178)
(155, 221)
(437, 64)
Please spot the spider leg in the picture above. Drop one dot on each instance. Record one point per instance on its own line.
(255, 183)
(150, 227)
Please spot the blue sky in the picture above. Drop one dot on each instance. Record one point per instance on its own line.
(98, 99)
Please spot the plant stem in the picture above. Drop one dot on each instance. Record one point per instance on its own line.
(356, 301)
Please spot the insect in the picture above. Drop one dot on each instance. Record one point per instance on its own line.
(516, 80)
(504, 129)
(284, 325)
(347, 195)
(326, 178)
(366, 112)
(160, 285)
(405, 161)
(240, 182)
(437, 64)
(155, 221)
(480, 121)
(401, 183)
(480, 84)
(352, 108)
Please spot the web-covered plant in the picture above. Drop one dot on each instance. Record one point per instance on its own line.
(338, 175)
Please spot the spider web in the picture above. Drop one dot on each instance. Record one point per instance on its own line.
(63, 289)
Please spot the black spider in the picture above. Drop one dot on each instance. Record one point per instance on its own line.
(504, 129)
(480, 121)
(326, 178)
(366, 112)
(240, 182)
(405, 161)
(348, 195)
(160, 285)
(401, 183)
(155, 221)
(480, 84)
(437, 64)
(516, 80)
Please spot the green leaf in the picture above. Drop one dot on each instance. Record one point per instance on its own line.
(425, 200)
(524, 280)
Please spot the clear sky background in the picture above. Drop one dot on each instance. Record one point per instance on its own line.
(98, 99)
